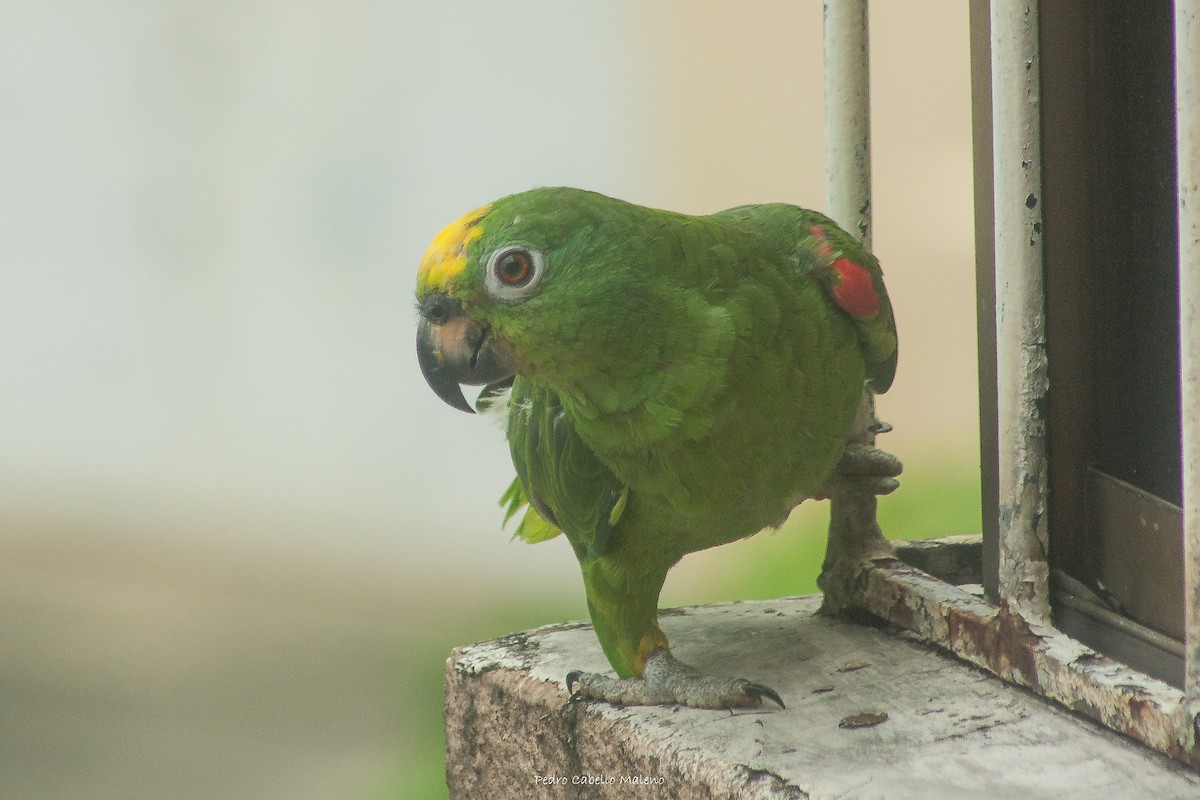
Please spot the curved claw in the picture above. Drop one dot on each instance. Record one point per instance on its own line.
(886, 486)
(763, 691)
(572, 678)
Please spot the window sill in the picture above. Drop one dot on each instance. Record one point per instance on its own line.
(951, 731)
(1040, 658)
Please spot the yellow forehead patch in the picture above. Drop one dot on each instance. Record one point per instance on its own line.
(446, 255)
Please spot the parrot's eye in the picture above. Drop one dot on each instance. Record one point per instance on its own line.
(514, 268)
(512, 271)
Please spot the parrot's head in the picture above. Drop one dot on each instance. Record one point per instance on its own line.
(529, 284)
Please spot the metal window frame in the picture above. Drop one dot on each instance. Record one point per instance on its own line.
(1014, 637)
(1187, 140)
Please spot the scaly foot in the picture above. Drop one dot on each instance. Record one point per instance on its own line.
(872, 469)
(668, 681)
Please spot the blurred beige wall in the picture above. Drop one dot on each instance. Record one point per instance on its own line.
(210, 217)
(742, 120)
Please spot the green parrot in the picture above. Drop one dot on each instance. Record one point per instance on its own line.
(671, 383)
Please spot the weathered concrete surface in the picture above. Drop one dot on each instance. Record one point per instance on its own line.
(951, 731)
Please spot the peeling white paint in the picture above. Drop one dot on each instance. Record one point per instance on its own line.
(1020, 318)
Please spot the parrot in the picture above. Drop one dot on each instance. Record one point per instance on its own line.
(670, 383)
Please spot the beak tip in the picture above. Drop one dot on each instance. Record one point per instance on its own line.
(441, 379)
(461, 351)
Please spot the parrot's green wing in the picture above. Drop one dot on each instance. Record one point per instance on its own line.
(558, 476)
(850, 276)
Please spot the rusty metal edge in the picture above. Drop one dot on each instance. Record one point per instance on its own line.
(1037, 657)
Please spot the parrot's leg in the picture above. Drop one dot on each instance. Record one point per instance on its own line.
(855, 539)
(623, 600)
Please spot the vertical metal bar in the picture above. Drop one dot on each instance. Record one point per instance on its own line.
(848, 117)
(1020, 320)
(1187, 143)
(985, 284)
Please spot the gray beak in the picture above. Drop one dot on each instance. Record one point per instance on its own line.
(453, 350)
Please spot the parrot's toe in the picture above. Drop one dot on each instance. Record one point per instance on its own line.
(764, 691)
(866, 468)
(669, 682)
(865, 460)
(883, 486)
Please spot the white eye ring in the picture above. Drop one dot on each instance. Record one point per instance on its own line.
(513, 271)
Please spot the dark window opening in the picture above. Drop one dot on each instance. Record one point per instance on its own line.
(1112, 328)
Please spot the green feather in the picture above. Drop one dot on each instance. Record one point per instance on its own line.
(569, 488)
(533, 528)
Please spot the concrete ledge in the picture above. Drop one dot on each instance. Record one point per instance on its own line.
(956, 560)
(950, 731)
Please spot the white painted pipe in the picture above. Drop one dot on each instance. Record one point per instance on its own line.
(848, 117)
(1187, 140)
(1020, 317)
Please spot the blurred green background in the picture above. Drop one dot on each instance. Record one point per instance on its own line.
(238, 535)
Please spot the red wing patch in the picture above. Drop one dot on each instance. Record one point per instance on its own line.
(854, 290)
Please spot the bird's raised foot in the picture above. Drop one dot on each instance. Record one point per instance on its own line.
(866, 468)
(667, 681)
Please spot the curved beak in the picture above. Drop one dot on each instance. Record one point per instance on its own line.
(453, 349)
